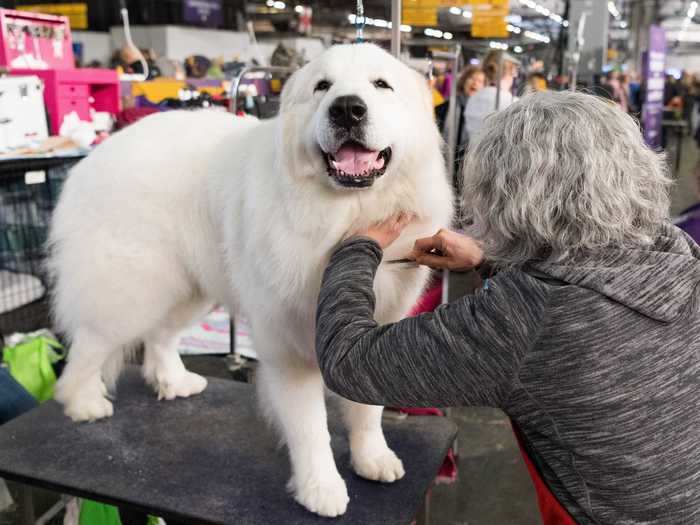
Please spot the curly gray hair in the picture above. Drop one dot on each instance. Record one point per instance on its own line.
(559, 173)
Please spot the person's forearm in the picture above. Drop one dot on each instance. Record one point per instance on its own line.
(438, 359)
(346, 312)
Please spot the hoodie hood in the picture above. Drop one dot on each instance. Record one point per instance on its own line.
(658, 281)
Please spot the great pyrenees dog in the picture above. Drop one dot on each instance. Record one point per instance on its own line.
(185, 210)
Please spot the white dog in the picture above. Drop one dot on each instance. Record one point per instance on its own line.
(184, 210)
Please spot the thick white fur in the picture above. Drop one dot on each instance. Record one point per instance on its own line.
(184, 210)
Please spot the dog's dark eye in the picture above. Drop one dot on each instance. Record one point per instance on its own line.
(323, 85)
(382, 84)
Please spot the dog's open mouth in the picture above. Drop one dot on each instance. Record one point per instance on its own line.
(355, 166)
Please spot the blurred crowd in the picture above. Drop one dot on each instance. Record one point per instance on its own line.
(500, 76)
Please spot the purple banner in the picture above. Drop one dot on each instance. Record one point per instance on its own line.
(654, 67)
(203, 12)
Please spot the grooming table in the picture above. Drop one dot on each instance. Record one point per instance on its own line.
(208, 459)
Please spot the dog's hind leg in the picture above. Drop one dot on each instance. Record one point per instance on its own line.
(292, 395)
(162, 367)
(80, 388)
(370, 455)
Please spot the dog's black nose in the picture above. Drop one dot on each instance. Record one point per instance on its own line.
(348, 111)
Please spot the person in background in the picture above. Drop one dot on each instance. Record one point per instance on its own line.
(446, 83)
(434, 82)
(483, 103)
(687, 97)
(672, 92)
(614, 85)
(630, 82)
(470, 81)
(536, 82)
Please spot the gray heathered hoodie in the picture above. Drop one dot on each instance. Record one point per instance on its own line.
(596, 361)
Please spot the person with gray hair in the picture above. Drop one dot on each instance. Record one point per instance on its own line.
(588, 336)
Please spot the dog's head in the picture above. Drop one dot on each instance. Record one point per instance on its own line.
(353, 116)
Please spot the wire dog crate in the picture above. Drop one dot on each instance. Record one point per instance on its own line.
(29, 188)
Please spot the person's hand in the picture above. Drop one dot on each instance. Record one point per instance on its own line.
(387, 231)
(448, 250)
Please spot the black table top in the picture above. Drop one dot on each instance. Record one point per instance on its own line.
(207, 459)
(14, 166)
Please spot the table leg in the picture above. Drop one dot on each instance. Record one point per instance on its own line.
(27, 505)
(423, 516)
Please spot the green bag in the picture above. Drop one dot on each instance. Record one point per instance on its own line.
(94, 513)
(30, 363)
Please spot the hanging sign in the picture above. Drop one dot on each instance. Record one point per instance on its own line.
(424, 12)
(203, 12)
(420, 12)
(489, 18)
(77, 13)
(654, 63)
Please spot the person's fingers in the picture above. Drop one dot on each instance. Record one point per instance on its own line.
(424, 244)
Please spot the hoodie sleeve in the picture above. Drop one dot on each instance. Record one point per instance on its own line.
(465, 353)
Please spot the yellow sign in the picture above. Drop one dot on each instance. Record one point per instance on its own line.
(489, 18)
(424, 12)
(419, 12)
(77, 13)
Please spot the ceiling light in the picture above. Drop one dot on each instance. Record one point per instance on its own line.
(279, 5)
(447, 35)
(455, 10)
(536, 36)
(467, 14)
(299, 8)
(544, 11)
(518, 49)
(429, 31)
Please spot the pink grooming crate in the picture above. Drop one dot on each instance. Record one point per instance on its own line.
(41, 45)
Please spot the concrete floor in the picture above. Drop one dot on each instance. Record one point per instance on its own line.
(493, 487)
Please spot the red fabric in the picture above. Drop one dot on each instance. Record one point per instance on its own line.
(553, 512)
(448, 470)
(427, 411)
(131, 115)
(430, 299)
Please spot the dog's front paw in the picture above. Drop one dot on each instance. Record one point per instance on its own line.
(88, 409)
(84, 401)
(326, 496)
(378, 465)
(183, 385)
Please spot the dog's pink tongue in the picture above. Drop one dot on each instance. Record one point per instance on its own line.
(356, 160)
